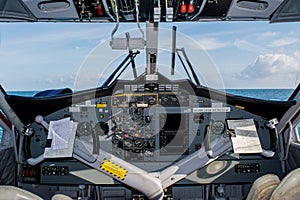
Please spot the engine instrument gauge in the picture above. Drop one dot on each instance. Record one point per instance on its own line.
(84, 129)
(138, 142)
(217, 127)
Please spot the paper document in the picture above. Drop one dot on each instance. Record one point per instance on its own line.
(246, 139)
(61, 136)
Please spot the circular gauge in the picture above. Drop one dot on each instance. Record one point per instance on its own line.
(217, 127)
(138, 142)
(128, 143)
(84, 129)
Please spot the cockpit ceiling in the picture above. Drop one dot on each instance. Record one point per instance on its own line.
(149, 10)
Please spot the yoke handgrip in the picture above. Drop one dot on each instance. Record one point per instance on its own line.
(207, 142)
(273, 139)
(96, 143)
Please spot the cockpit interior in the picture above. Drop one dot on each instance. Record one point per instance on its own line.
(151, 136)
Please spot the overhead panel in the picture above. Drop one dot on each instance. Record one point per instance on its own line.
(215, 8)
(165, 11)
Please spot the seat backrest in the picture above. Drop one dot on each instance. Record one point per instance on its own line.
(289, 188)
(11, 192)
(263, 187)
(61, 197)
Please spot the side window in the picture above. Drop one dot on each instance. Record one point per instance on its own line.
(6, 139)
(297, 132)
(1, 133)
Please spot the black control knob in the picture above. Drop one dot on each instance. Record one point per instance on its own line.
(165, 99)
(101, 128)
(151, 101)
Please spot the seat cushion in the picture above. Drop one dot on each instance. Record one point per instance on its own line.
(263, 187)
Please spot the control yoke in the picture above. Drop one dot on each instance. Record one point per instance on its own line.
(129, 174)
(125, 172)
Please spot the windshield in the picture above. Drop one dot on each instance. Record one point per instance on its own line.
(225, 55)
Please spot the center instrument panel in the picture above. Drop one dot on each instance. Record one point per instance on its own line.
(150, 130)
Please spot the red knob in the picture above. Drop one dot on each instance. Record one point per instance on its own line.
(183, 8)
(100, 10)
(191, 8)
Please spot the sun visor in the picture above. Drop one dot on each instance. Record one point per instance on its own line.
(253, 10)
(15, 10)
(288, 11)
(55, 10)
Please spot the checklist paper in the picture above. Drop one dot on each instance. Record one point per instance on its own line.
(60, 139)
(245, 139)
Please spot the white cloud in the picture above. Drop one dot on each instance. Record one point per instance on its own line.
(283, 42)
(203, 43)
(270, 65)
(267, 34)
(245, 45)
(58, 80)
(53, 36)
(212, 43)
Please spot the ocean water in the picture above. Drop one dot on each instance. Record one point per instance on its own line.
(22, 93)
(267, 94)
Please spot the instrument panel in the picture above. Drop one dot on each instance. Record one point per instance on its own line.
(151, 130)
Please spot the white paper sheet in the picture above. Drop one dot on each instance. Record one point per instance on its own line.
(61, 133)
(246, 139)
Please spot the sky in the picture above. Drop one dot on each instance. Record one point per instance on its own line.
(38, 56)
